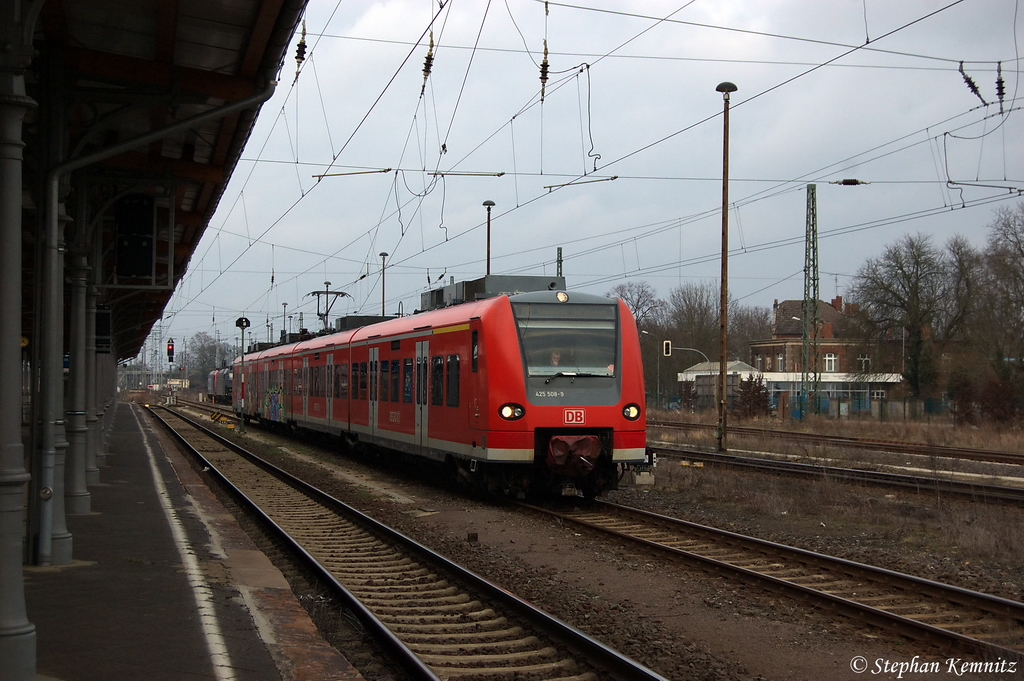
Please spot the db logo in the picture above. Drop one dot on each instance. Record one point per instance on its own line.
(575, 417)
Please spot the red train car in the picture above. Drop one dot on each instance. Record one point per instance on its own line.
(536, 393)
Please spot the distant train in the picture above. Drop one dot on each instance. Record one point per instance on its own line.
(537, 393)
(218, 385)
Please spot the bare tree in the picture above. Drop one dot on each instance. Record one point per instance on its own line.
(903, 289)
(641, 298)
(692, 315)
(746, 324)
(203, 357)
(1001, 333)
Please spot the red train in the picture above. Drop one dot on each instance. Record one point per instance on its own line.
(537, 393)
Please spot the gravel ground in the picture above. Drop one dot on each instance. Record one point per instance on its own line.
(681, 622)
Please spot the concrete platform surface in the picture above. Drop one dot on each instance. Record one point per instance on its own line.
(164, 585)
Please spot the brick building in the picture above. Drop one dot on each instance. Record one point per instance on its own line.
(851, 372)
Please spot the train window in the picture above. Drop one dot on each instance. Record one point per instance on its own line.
(437, 380)
(342, 382)
(407, 380)
(396, 345)
(453, 381)
(331, 389)
(385, 380)
(394, 380)
(476, 351)
(566, 338)
(362, 380)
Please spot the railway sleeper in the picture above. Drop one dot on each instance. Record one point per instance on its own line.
(456, 618)
(477, 627)
(534, 671)
(441, 589)
(390, 599)
(461, 609)
(448, 638)
(529, 657)
(481, 647)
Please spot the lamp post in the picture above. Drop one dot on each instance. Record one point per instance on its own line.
(488, 204)
(242, 323)
(284, 321)
(725, 88)
(383, 257)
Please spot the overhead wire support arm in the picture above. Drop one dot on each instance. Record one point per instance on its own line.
(466, 173)
(551, 187)
(353, 172)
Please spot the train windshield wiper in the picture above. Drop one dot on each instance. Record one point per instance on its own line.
(571, 374)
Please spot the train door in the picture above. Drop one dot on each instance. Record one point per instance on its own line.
(329, 390)
(374, 356)
(305, 388)
(422, 394)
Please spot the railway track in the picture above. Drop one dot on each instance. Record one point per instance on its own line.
(992, 456)
(976, 491)
(914, 607)
(439, 620)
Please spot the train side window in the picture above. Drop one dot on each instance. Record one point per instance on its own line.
(453, 381)
(394, 380)
(437, 380)
(385, 380)
(332, 391)
(362, 380)
(343, 380)
(476, 351)
(373, 381)
(407, 380)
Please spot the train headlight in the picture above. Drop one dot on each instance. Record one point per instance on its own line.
(631, 412)
(511, 411)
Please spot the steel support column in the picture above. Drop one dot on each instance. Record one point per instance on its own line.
(77, 499)
(93, 456)
(17, 634)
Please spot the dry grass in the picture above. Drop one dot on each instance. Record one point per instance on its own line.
(939, 430)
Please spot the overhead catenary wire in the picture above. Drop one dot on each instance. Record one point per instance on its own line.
(515, 174)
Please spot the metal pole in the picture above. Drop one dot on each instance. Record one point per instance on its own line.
(489, 204)
(723, 412)
(383, 257)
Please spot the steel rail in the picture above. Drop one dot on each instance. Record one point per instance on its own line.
(990, 455)
(609, 661)
(973, 490)
(1010, 612)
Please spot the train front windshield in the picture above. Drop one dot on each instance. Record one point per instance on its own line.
(568, 339)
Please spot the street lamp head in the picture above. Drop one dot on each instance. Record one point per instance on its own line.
(488, 203)
(383, 254)
(726, 87)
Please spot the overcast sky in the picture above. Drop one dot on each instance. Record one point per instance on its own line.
(620, 163)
